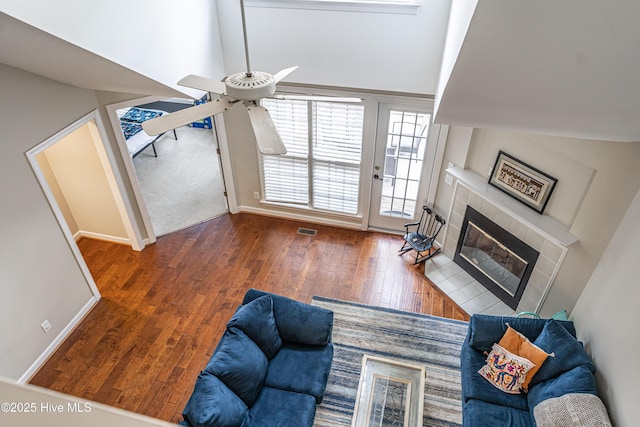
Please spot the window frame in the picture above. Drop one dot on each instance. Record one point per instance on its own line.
(408, 7)
(311, 160)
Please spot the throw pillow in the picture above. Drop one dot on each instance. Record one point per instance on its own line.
(240, 364)
(212, 404)
(516, 343)
(505, 370)
(256, 320)
(567, 352)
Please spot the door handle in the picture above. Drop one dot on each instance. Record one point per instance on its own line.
(376, 176)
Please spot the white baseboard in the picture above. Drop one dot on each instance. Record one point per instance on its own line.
(299, 217)
(57, 341)
(98, 236)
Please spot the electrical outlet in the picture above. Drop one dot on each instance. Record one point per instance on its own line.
(448, 179)
(46, 326)
(450, 165)
(256, 195)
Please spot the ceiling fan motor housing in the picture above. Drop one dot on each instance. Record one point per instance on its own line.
(250, 86)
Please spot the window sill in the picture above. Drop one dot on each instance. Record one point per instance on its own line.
(338, 5)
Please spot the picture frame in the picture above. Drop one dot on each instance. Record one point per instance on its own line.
(521, 181)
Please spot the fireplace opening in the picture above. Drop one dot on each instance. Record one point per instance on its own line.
(494, 257)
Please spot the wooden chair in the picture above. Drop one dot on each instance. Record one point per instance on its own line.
(425, 232)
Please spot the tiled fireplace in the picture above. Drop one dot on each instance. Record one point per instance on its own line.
(548, 238)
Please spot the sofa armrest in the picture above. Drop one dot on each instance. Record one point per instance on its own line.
(298, 322)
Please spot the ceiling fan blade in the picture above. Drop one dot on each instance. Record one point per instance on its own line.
(203, 83)
(267, 136)
(284, 73)
(318, 98)
(166, 122)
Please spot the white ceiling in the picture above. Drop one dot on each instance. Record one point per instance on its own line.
(568, 68)
(30, 49)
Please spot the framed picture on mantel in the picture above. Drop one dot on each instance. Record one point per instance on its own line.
(523, 182)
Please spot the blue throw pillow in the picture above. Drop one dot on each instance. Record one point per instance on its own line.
(212, 404)
(240, 364)
(566, 352)
(256, 320)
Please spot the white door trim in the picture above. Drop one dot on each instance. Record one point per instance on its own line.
(432, 163)
(128, 163)
(66, 231)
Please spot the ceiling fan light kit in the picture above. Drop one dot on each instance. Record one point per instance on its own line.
(250, 86)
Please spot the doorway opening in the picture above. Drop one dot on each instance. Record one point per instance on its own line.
(177, 179)
(408, 152)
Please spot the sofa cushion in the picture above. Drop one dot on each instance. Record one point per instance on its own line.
(298, 322)
(505, 370)
(567, 352)
(240, 364)
(474, 386)
(516, 343)
(280, 408)
(301, 368)
(577, 380)
(213, 404)
(256, 320)
(485, 330)
(478, 413)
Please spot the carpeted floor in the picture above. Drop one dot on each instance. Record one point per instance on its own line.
(183, 186)
(433, 342)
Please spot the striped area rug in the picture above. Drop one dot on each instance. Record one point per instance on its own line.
(431, 341)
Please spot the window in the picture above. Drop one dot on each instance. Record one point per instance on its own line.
(382, 6)
(321, 169)
(403, 162)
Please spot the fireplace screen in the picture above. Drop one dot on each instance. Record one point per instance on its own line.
(493, 259)
(497, 259)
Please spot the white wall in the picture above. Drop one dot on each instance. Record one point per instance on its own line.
(459, 20)
(362, 50)
(161, 39)
(606, 319)
(40, 278)
(596, 182)
(93, 414)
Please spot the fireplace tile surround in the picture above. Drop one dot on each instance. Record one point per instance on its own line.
(550, 238)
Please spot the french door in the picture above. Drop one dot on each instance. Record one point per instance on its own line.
(405, 152)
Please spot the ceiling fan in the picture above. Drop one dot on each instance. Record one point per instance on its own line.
(245, 88)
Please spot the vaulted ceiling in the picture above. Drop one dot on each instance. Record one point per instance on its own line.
(568, 68)
(31, 49)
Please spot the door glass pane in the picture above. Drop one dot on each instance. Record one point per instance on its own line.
(404, 155)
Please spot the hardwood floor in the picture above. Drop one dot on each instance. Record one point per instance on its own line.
(164, 309)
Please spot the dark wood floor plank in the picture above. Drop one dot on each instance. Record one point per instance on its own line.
(163, 310)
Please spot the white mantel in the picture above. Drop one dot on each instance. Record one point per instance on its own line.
(544, 224)
(546, 235)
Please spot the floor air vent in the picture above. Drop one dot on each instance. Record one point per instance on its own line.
(307, 231)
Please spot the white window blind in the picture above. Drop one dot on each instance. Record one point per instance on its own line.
(286, 177)
(324, 142)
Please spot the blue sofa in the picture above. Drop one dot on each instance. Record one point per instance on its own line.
(567, 373)
(269, 369)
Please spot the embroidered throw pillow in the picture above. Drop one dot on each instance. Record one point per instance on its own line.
(505, 370)
(516, 343)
